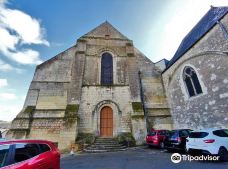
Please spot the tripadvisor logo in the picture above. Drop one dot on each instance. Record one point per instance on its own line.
(176, 158)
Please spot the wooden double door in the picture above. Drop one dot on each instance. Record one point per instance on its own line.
(106, 122)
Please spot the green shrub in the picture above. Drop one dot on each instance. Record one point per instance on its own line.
(85, 138)
(126, 139)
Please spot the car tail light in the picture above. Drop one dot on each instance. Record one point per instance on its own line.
(178, 139)
(209, 141)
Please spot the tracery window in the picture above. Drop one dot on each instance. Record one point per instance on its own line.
(191, 81)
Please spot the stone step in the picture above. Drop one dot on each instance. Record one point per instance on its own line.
(113, 141)
(103, 150)
(105, 142)
(105, 145)
(102, 147)
(100, 142)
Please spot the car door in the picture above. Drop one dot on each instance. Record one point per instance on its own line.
(183, 134)
(46, 156)
(27, 156)
(161, 136)
(221, 138)
(4, 156)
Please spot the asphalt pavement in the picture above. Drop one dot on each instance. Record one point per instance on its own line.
(134, 158)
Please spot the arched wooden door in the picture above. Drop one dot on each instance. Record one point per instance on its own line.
(106, 122)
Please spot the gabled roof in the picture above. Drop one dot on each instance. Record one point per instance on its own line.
(165, 61)
(200, 29)
(103, 30)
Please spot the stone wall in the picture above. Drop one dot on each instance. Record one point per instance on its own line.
(72, 79)
(208, 57)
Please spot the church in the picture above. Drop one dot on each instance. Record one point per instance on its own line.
(103, 86)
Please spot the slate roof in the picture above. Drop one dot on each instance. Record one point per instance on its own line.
(200, 29)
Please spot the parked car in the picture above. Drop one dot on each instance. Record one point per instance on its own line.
(156, 138)
(29, 154)
(209, 141)
(176, 139)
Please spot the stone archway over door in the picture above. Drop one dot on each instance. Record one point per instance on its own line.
(106, 123)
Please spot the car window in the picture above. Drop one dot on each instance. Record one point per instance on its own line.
(152, 133)
(221, 133)
(4, 151)
(173, 133)
(167, 133)
(184, 133)
(44, 148)
(25, 151)
(198, 134)
(163, 133)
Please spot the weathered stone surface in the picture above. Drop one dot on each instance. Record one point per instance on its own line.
(73, 77)
(209, 59)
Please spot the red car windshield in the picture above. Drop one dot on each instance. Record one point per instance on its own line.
(152, 133)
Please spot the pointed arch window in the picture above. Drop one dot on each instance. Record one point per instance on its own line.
(106, 69)
(191, 81)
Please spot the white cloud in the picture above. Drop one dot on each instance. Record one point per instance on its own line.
(180, 17)
(3, 83)
(18, 28)
(9, 112)
(184, 20)
(7, 96)
(27, 28)
(27, 56)
(5, 67)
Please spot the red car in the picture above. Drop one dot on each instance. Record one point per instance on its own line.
(156, 138)
(29, 154)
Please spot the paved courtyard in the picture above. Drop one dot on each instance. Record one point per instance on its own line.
(134, 158)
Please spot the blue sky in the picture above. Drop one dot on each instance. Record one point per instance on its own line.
(34, 31)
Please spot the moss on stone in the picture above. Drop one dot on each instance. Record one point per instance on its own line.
(137, 106)
(72, 108)
(126, 139)
(29, 109)
(137, 116)
(71, 117)
(85, 138)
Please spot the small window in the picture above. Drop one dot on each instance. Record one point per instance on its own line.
(221, 133)
(44, 148)
(4, 151)
(25, 151)
(192, 82)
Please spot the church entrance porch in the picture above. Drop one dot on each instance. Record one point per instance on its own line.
(106, 122)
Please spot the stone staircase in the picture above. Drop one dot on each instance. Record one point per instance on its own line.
(105, 145)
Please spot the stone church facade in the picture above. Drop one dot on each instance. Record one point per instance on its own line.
(104, 86)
